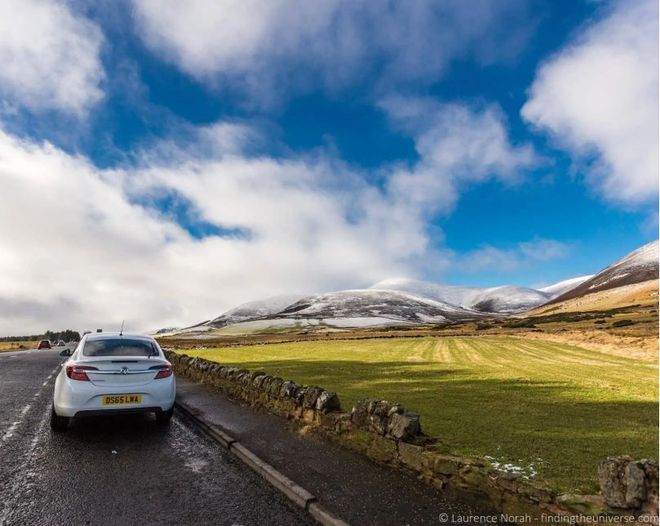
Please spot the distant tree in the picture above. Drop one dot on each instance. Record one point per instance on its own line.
(66, 335)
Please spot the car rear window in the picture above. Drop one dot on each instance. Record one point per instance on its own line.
(119, 347)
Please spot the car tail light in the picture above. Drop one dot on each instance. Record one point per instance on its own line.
(77, 372)
(163, 371)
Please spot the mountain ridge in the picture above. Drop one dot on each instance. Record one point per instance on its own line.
(635, 267)
(409, 301)
(501, 299)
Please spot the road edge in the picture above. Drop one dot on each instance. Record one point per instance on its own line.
(297, 494)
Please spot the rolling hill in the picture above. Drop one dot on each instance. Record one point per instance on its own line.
(369, 304)
(496, 300)
(638, 266)
(564, 286)
(253, 310)
(402, 301)
(631, 280)
(389, 302)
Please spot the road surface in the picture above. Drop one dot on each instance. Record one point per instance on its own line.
(120, 470)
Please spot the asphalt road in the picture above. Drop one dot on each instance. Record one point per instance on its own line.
(119, 470)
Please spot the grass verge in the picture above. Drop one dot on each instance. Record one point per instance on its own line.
(17, 345)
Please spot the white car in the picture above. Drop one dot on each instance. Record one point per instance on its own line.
(110, 374)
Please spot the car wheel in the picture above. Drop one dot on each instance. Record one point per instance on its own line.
(163, 417)
(58, 423)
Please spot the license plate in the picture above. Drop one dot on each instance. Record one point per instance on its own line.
(123, 399)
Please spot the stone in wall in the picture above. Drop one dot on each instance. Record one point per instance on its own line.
(386, 419)
(359, 413)
(310, 396)
(404, 426)
(626, 483)
(327, 402)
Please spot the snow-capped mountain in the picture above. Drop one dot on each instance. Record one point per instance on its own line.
(413, 302)
(505, 299)
(392, 301)
(640, 265)
(369, 303)
(564, 286)
(253, 310)
(164, 331)
(508, 299)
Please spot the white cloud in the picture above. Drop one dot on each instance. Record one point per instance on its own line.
(79, 250)
(599, 96)
(269, 46)
(525, 254)
(49, 56)
(76, 251)
(203, 142)
(539, 249)
(456, 146)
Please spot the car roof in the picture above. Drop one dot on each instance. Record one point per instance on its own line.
(114, 335)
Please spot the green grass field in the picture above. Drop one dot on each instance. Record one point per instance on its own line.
(551, 408)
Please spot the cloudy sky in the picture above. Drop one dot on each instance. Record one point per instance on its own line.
(162, 161)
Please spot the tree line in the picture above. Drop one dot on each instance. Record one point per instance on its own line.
(66, 335)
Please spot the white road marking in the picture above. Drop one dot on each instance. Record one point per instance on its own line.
(24, 411)
(10, 431)
(22, 480)
(15, 424)
(25, 470)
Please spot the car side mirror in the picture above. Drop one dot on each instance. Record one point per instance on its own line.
(66, 352)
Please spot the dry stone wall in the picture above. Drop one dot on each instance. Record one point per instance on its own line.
(387, 432)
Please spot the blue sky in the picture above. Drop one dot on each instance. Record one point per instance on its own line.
(513, 142)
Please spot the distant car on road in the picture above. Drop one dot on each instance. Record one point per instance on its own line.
(61, 343)
(111, 374)
(44, 344)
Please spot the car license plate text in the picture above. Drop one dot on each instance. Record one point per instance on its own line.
(122, 399)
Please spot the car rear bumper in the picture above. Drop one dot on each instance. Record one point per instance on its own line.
(73, 399)
(118, 411)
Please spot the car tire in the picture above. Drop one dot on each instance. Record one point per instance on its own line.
(164, 417)
(58, 423)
